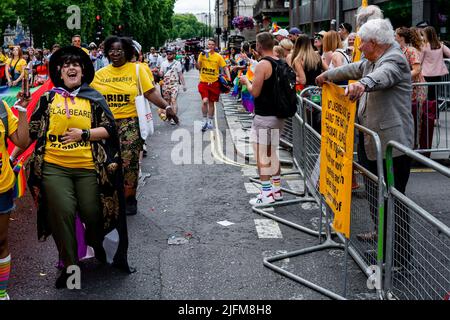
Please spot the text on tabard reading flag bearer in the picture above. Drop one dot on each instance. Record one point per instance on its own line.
(336, 155)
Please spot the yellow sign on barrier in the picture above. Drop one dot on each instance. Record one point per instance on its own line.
(336, 154)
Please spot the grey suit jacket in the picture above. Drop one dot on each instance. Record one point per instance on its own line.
(385, 107)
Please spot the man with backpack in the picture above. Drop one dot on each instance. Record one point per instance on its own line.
(273, 88)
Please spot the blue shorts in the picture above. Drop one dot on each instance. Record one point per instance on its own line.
(6, 202)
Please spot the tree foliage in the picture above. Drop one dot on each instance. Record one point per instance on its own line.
(187, 26)
(147, 21)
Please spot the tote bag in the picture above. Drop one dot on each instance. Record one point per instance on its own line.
(143, 110)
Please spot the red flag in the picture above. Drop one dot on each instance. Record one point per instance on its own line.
(35, 96)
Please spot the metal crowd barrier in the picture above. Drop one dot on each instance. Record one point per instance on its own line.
(296, 131)
(287, 133)
(368, 198)
(443, 92)
(431, 120)
(447, 76)
(418, 242)
(367, 252)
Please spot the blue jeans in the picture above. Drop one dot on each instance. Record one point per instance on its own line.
(6, 202)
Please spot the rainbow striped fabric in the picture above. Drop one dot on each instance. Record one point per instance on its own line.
(5, 269)
(21, 182)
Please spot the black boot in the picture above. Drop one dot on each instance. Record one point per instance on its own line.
(131, 206)
(61, 281)
(100, 254)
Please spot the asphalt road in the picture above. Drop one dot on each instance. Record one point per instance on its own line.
(188, 200)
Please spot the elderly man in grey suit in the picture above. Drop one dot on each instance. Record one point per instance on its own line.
(384, 92)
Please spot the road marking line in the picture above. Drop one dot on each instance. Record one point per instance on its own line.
(422, 170)
(268, 229)
(225, 223)
(251, 188)
(216, 144)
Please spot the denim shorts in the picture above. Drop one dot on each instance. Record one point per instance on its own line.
(7, 202)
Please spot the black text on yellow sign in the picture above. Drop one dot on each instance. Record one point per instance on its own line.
(336, 154)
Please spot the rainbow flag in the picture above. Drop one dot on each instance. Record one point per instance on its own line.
(235, 91)
(275, 27)
(21, 181)
(248, 102)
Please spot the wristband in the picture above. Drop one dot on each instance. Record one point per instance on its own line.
(85, 135)
(168, 107)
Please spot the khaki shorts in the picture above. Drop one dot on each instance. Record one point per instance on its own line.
(266, 130)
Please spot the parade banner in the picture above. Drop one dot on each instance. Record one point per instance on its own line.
(336, 155)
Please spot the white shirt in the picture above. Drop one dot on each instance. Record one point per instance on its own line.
(155, 61)
(176, 66)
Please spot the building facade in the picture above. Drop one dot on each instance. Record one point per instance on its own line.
(225, 12)
(267, 12)
(17, 36)
(315, 15)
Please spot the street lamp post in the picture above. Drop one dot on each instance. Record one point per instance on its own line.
(209, 19)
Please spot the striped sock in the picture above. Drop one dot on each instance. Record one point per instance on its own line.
(5, 269)
(276, 182)
(266, 188)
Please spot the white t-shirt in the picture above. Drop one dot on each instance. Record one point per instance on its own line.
(155, 61)
(174, 65)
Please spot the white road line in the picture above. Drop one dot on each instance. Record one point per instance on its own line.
(268, 229)
(251, 188)
(225, 223)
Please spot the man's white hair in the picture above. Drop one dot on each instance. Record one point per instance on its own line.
(365, 14)
(378, 30)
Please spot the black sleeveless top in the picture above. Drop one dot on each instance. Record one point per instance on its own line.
(265, 103)
(311, 75)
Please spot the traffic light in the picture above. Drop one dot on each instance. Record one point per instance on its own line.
(98, 29)
(118, 29)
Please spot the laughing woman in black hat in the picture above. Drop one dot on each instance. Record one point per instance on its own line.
(76, 165)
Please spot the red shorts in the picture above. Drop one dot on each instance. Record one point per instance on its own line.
(211, 91)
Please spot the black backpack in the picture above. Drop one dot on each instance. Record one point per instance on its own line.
(284, 88)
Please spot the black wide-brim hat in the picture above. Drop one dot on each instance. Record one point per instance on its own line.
(85, 62)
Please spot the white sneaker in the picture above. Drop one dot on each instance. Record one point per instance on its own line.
(261, 199)
(205, 126)
(277, 195)
(5, 298)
